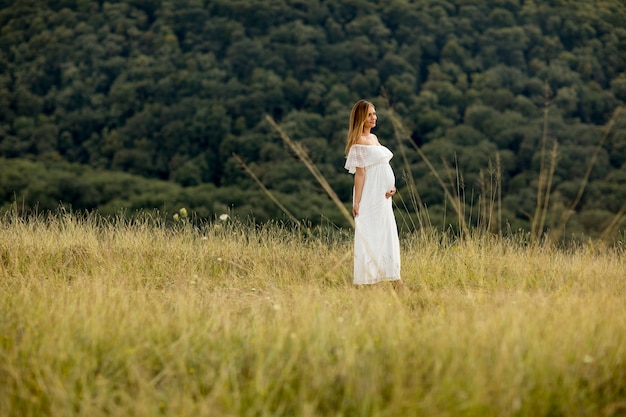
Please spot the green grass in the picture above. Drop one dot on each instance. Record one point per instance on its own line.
(139, 318)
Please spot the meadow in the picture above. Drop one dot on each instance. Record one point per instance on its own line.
(147, 317)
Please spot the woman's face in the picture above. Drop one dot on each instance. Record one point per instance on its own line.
(370, 120)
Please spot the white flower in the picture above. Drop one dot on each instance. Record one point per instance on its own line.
(224, 217)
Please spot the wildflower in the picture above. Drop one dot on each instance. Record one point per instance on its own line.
(224, 217)
(175, 216)
(183, 212)
(204, 238)
(276, 307)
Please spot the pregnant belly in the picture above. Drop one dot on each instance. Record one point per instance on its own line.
(380, 179)
(388, 180)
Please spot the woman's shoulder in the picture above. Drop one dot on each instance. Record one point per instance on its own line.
(369, 140)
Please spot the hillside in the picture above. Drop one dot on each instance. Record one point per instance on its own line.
(141, 104)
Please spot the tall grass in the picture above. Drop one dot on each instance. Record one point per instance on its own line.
(139, 317)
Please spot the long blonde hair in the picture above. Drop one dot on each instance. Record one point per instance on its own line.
(358, 115)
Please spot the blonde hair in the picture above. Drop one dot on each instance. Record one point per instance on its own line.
(358, 115)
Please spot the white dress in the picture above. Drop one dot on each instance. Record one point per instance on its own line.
(376, 243)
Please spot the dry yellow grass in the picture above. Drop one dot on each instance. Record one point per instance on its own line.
(140, 319)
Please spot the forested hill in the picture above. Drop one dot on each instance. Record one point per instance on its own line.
(142, 103)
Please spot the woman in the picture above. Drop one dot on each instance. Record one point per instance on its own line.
(376, 243)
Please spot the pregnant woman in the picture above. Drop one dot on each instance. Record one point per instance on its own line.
(376, 243)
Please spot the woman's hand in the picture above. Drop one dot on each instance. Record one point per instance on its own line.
(390, 193)
(355, 209)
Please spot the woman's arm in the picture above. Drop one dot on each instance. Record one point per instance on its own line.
(359, 180)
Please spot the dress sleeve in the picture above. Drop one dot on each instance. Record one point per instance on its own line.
(356, 158)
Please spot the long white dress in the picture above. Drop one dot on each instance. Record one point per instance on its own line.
(376, 243)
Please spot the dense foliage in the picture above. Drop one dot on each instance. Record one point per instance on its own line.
(142, 103)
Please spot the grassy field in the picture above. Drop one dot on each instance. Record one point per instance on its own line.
(121, 318)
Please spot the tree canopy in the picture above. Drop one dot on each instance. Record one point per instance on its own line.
(143, 104)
